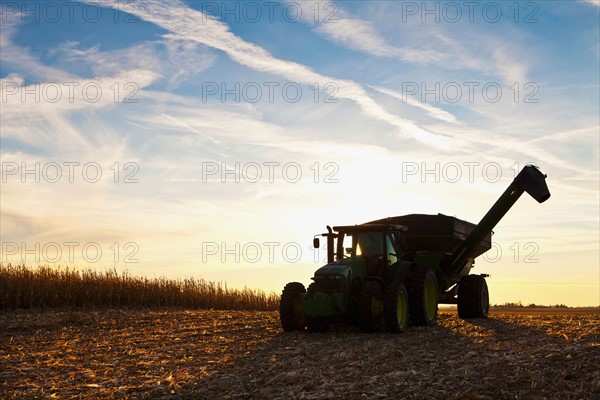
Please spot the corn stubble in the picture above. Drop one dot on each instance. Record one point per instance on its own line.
(99, 349)
(210, 354)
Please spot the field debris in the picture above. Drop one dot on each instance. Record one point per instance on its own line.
(209, 354)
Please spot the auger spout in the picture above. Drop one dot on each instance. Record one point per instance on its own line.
(530, 180)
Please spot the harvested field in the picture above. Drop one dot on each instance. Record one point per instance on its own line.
(242, 354)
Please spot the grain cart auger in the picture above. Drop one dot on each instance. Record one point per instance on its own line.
(394, 271)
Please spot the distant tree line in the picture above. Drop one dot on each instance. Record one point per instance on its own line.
(519, 304)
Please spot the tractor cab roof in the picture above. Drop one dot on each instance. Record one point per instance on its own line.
(371, 228)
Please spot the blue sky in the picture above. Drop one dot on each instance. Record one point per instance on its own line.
(331, 112)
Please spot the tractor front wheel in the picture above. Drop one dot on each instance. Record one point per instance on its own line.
(395, 307)
(290, 309)
(422, 296)
(370, 307)
(473, 297)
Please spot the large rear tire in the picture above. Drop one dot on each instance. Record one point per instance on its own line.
(422, 296)
(290, 309)
(395, 307)
(317, 324)
(473, 297)
(370, 307)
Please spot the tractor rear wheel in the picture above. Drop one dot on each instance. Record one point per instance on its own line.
(317, 324)
(395, 307)
(422, 296)
(290, 309)
(370, 307)
(473, 297)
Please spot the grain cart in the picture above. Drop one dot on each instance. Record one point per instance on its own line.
(394, 271)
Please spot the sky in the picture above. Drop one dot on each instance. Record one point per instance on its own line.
(214, 139)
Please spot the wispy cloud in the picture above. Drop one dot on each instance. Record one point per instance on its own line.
(593, 2)
(432, 111)
(360, 35)
(39, 110)
(191, 25)
(17, 56)
(173, 59)
(440, 48)
(40, 114)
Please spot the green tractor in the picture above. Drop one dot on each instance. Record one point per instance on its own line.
(389, 273)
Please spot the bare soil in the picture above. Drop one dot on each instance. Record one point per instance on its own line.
(240, 354)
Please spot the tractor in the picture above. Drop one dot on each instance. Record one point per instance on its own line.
(388, 273)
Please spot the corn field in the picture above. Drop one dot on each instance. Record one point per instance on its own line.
(24, 287)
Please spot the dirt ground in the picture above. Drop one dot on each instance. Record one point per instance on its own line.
(236, 354)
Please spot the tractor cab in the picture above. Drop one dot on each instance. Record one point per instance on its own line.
(377, 244)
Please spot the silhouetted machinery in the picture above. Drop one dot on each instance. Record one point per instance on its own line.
(394, 271)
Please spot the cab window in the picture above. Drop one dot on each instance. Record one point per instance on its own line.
(392, 257)
(368, 244)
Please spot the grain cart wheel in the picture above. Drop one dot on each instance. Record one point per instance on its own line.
(370, 307)
(395, 307)
(473, 297)
(422, 296)
(290, 310)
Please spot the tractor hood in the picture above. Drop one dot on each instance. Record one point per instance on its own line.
(342, 267)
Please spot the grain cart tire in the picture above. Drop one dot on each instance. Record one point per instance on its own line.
(290, 309)
(422, 296)
(473, 297)
(395, 307)
(370, 307)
